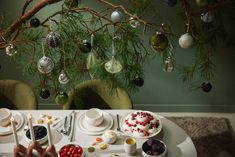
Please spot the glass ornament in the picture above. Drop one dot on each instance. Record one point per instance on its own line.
(63, 78)
(113, 66)
(45, 65)
(185, 40)
(116, 16)
(35, 22)
(44, 94)
(11, 49)
(168, 65)
(72, 3)
(85, 46)
(158, 42)
(138, 81)
(208, 17)
(201, 3)
(170, 3)
(206, 86)
(91, 60)
(133, 22)
(61, 98)
(53, 39)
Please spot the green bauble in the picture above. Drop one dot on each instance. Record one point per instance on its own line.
(158, 42)
(61, 98)
(71, 3)
(201, 3)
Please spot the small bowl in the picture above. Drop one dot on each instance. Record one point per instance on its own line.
(94, 116)
(109, 136)
(154, 148)
(74, 149)
(5, 116)
(40, 133)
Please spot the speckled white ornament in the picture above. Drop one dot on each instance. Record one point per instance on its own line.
(11, 50)
(208, 17)
(186, 40)
(45, 65)
(116, 16)
(63, 78)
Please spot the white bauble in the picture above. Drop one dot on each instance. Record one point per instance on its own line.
(11, 50)
(63, 78)
(45, 65)
(186, 40)
(208, 17)
(116, 16)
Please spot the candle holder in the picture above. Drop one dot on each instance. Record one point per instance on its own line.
(19, 150)
(49, 150)
(34, 146)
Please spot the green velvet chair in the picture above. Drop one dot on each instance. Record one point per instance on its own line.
(17, 95)
(97, 94)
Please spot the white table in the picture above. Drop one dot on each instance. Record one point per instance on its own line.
(178, 142)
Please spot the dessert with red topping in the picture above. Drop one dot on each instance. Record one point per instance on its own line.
(71, 150)
(141, 124)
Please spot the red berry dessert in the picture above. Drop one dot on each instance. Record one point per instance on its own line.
(141, 124)
(71, 150)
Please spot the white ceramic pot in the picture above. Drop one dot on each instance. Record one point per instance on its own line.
(94, 117)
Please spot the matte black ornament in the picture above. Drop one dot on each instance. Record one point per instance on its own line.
(53, 39)
(45, 94)
(34, 22)
(206, 86)
(170, 3)
(85, 46)
(138, 81)
(61, 98)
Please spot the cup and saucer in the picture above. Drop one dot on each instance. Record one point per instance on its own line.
(5, 124)
(94, 121)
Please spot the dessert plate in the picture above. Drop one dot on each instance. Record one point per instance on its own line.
(95, 130)
(136, 127)
(19, 118)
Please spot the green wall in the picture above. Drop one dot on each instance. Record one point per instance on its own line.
(162, 91)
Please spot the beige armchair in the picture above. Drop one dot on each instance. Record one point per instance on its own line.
(17, 95)
(97, 94)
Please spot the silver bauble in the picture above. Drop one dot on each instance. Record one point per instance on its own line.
(208, 17)
(168, 65)
(63, 78)
(45, 65)
(11, 50)
(53, 39)
(116, 16)
(186, 40)
(113, 66)
(134, 23)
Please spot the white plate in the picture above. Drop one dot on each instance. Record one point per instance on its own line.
(128, 133)
(19, 118)
(95, 130)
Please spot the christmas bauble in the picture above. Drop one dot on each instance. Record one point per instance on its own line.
(134, 23)
(170, 3)
(113, 66)
(11, 49)
(206, 86)
(61, 98)
(201, 3)
(208, 17)
(158, 42)
(34, 22)
(186, 40)
(168, 65)
(63, 78)
(138, 81)
(91, 60)
(45, 93)
(53, 39)
(116, 16)
(71, 3)
(85, 46)
(45, 65)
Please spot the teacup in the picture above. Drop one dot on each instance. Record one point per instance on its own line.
(94, 116)
(130, 145)
(109, 136)
(5, 115)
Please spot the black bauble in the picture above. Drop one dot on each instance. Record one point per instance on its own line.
(34, 22)
(138, 81)
(206, 86)
(85, 46)
(45, 94)
(53, 39)
(170, 3)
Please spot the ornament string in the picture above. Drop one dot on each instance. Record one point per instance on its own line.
(43, 52)
(50, 24)
(92, 40)
(188, 21)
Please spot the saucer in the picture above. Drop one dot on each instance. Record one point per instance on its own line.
(19, 118)
(95, 130)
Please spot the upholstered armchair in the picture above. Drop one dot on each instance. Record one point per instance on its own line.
(97, 94)
(17, 95)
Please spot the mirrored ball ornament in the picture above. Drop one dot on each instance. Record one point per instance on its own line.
(63, 78)
(61, 98)
(168, 65)
(11, 49)
(113, 66)
(186, 40)
(45, 65)
(53, 39)
(158, 42)
(116, 16)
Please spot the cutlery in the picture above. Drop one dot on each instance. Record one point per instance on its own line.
(118, 123)
(63, 130)
(72, 126)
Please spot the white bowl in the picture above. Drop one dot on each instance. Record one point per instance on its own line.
(40, 140)
(109, 136)
(67, 147)
(162, 148)
(5, 116)
(94, 116)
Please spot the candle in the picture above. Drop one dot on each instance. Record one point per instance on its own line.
(49, 133)
(31, 127)
(14, 131)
